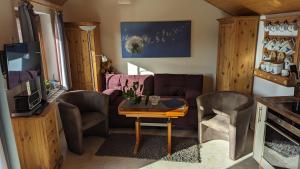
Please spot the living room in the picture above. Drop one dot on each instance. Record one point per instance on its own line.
(149, 84)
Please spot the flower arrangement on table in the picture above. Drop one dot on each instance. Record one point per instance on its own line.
(131, 93)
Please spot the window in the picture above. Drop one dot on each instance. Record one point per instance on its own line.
(133, 69)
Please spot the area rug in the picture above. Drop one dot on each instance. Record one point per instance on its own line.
(184, 149)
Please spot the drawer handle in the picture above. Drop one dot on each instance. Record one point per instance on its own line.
(259, 114)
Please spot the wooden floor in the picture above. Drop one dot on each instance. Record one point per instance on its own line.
(89, 161)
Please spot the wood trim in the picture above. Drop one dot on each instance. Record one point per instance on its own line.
(285, 81)
(76, 24)
(47, 4)
(281, 19)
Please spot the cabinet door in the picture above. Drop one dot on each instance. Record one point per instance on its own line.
(81, 54)
(259, 135)
(244, 58)
(225, 55)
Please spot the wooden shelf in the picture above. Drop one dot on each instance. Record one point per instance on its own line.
(285, 81)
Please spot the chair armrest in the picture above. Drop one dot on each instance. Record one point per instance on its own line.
(103, 103)
(70, 114)
(204, 105)
(241, 114)
(72, 125)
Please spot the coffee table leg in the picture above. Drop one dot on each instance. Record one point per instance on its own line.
(169, 138)
(137, 135)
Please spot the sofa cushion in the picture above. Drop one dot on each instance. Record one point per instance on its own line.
(112, 93)
(177, 84)
(90, 119)
(118, 81)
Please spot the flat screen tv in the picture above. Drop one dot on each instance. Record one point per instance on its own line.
(23, 61)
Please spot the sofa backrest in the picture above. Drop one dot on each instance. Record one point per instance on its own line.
(177, 84)
(118, 81)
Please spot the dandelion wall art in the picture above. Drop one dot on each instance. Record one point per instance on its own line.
(156, 39)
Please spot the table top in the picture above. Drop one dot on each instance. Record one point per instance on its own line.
(167, 108)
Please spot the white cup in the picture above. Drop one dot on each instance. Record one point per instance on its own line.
(263, 67)
(284, 27)
(292, 27)
(276, 68)
(154, 100)
(268, 67)
(285, 72)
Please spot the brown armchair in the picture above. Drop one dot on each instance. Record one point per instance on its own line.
(228, 114)
(83, 113)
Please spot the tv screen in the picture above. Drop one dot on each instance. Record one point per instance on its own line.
(23, 63)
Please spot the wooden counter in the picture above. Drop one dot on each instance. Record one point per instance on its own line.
(275, 103)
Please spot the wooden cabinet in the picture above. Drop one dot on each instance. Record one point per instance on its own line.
(259, 134)
(84, 51)
(236, 53)
(37, 139)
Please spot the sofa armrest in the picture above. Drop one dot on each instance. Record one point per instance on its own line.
(112, 93)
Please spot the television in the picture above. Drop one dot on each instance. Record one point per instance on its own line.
(23, 64)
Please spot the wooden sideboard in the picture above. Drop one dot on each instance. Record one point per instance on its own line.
(37, 139)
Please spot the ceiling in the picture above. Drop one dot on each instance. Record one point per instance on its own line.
(256, 7)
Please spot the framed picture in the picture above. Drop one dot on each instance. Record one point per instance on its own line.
(156, 39)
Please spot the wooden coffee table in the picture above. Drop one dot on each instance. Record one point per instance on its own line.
(166, 109)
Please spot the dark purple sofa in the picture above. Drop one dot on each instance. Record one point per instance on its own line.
(164, 85)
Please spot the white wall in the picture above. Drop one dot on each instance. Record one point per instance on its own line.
(8, 30)
(8, 34)
(204, 31)
(263, 87)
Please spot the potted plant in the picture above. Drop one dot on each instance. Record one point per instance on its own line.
(131, 93)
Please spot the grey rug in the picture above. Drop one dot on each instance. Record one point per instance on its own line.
(151, 147)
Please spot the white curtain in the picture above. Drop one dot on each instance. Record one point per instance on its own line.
(62, 51)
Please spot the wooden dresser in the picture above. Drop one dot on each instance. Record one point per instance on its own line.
(37, 139)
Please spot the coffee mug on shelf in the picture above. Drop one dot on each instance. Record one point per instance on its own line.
(285, 72)
(293, 27)
(271, 44)
(268, 67)
(284, 26)
(276, 68)
(263, 67)
(267, 27)
(265, 42)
